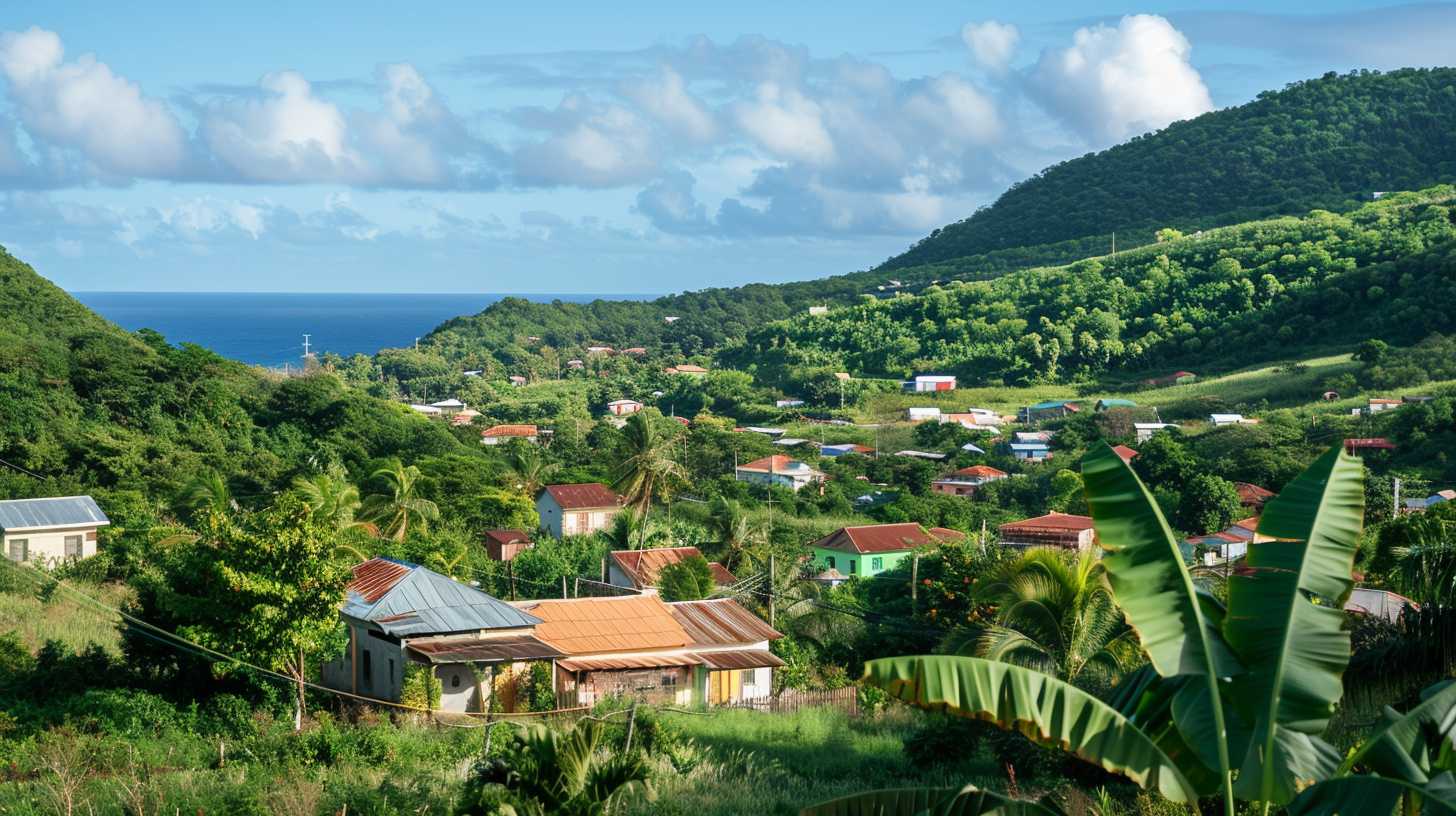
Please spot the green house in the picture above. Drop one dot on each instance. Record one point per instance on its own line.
(1108, 404)
(871, 549)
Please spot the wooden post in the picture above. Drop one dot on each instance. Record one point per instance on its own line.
(563, 587)
(914, 581)
(631, 723)
(604, 570)
(577, 592)
(770, 590)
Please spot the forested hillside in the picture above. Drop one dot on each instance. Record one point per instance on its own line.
(1326, 143)
(1229, 296)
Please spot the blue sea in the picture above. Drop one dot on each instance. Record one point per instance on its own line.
(267, 328)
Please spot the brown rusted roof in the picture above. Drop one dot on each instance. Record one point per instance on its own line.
(947, 534)
(1252, 493)
(741, 659)
(374, 578)
(650, 661)
(779, 464)
(721, 622)
(488, 650)
(508, 537)
(1050, 522)
(580, 626)
(509, 430)
(877, 538)
(643, 567)
(590, 495)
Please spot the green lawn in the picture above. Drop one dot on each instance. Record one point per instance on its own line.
(61, 617)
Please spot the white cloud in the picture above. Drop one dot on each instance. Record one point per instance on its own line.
(786, 123)
(992, 44)
(81, 105)
(286, 135)
(590, 145)
(1117, 82)
(667, 99)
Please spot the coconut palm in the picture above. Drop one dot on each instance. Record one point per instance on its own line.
(399, 508)
(331, 499)
(530, 470)
(205, 492)
(731, 526)
(630, 531)
(648, 469)
(1054, 613)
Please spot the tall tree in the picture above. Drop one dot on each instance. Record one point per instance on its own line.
(647, 469)
(530, 468)
(206, 492)
(733, 528)
(690, 579)
(399, 508)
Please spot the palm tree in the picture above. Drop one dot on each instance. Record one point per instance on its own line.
(1055, 614)
(648, 468)
(550, 771)
(205, 492)
(630, 531)
(399, 508)
(735, 529)
(331, 499)
(529, 468)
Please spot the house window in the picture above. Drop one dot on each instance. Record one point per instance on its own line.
(829, 560)
(669, 679)
(366, 667)
(853, 567)
(19, 549)
(877, 564)
(748, 676)
(73, 546)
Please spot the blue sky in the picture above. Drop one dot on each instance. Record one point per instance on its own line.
(591, 147)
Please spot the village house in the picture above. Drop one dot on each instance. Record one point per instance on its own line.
(427, 410)
(1030, 451)
(1124, 453)
(931, 382)
(1224, 420)
(1068, 532)
(598, 349)
(577, 509)
(576, 364)
(635, 351)
(789, 402)
(1229, 544)
(1048, 409)
(870, 549)
(464, 417)
(688, 369)
(1379, 603)
(922, 413)
(1176, 378)
(449, 407)
(1253, 496)
(974, 419)
(1109, 404)
(505, 545)
(778, 470)
(687, 653)
(500, 434)
(815, 311)
(930, 456)
(398, 613)
(517, 380)
(843, 448)
(964, 482)
(1145, 430)
(50, 531)
(640, 569)
(1420, 505)
(1363, 445)
(623, 407)
(1375, 405)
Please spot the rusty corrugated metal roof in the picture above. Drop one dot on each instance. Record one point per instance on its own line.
(582, 626)
(582, 496)
(720, 622)
(644, 566)
(877, 538)
(741, 659)
(407, 600)
(488, 650)
(666, 660)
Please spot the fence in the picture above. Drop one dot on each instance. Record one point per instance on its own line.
(790, 700)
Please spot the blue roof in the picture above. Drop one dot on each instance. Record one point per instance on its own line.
(1029, 446)
(61, 511)
(419, 601)
(1042, 406)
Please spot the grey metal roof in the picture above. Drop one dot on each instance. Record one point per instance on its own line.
(61, 511)
(423, 602)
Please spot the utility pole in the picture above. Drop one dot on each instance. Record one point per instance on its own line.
(563, 587)
(1114, 242)
(770, 590)
(511, 570)
(1395, 496)
(914, 582)
(417, 344)
(305, 347)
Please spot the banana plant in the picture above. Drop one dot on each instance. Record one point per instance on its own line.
(1235, 698)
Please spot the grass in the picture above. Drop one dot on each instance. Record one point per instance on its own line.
(60, 617)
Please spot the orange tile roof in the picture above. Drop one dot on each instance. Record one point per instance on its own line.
(509, 430)
(582, 496)
(581, 626)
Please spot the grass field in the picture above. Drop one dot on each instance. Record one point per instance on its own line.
(60, 617)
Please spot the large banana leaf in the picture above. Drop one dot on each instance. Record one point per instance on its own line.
(1287, 626)
(966, 801)
(1417, 745)
(1157, 595)
(1365, 795)
(1043, 708)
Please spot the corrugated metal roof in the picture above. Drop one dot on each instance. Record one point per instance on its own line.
(877, 538)
(722, 622)
(644, 566)
(1051, 521)
(489, 650)
(582, 496)
(59, 511)
(407, 600)
(653, 661)
(583, 626)
(742, 659)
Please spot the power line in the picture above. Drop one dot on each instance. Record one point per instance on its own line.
(32, 474)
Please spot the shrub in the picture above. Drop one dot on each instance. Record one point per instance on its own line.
(228, 715)
(419, 688)
(127, 712)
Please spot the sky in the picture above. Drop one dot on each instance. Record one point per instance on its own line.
(593, 147)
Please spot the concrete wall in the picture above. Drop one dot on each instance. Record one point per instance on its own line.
(379, 675)
(47, 547)
(856, 564)
(572, 522)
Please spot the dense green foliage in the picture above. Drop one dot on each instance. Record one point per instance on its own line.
(1324, 143)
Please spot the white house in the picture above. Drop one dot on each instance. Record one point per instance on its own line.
(922, 413)
(577, 509)
(931, 382)
(448, 406)
(1145, 430)
(791, 402)
(623, 407)
(778, 470)
(51, 530)
(427, 410)
(818, 310)
(1220, 420)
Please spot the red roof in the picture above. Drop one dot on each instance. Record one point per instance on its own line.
(1369, 443)
(947, 534)
(508, 537)
(982, 472)
(721, 622)
(1051, 521)
(510, 430)
(778, 463)
(1124, 452)
(878, 538)
(582, 496)
(374, 578)
(1252, 493)
(644, 566)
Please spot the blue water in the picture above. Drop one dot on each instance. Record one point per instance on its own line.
(267, 328)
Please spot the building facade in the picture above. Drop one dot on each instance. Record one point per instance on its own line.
(577, 509)
(50, 531)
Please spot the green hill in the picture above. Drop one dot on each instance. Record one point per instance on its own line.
(1321, 144)
(1326, 143)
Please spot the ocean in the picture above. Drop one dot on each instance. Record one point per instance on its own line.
(267, 328)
